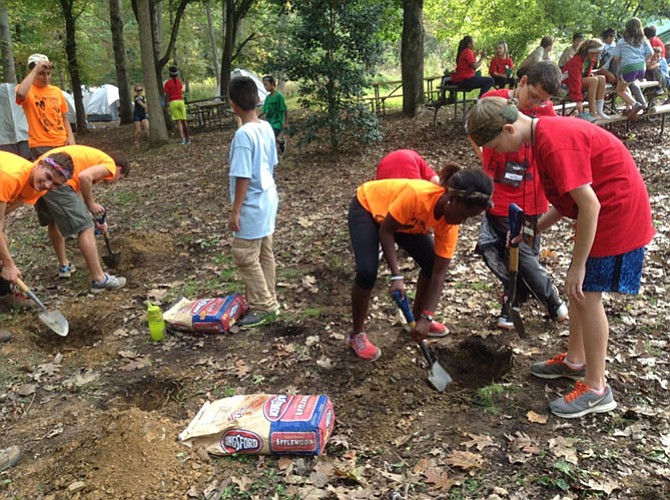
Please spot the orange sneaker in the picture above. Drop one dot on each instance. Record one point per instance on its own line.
(363, 348)
(437, 330)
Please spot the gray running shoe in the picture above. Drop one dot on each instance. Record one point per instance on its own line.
(110, 282)
(253, 318)
(556, 368)
(582, 401)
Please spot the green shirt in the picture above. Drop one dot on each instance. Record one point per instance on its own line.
(274, 108)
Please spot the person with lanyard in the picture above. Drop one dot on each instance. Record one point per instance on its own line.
(588, 175)
(406, 211)
(516, 181)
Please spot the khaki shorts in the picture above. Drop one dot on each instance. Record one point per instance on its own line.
(66, 209)
(177, 110)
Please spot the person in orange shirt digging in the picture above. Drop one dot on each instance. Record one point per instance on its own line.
(406, 211)
(66, 214)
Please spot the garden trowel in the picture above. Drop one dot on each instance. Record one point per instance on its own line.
(437, 375)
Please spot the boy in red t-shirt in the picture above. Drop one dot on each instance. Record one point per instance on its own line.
(516, 181)
(405, 164)
(588, 175)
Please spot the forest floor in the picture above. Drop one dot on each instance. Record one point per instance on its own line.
(98, 412)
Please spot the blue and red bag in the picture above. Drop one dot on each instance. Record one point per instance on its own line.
(214, 315)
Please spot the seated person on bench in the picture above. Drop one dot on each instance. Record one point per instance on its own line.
(578, 75)
(467, 66)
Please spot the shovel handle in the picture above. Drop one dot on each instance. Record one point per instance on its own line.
(107, 244)
(402, 302)
(25, 289)
(426, 353)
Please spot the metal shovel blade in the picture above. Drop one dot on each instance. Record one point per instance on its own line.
(113, 259)
(55, 321)
(437, 376)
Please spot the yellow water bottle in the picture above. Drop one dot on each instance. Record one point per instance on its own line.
(156, 323)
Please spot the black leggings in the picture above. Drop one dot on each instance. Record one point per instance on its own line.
(364, 233)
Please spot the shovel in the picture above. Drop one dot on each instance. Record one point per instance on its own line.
(515, 225)
(113, 259)
(437, 375)
(53, 319)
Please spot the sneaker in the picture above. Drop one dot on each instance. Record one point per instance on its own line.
(109, 283)
(9, 457)
(561, 313)
(603, 116)
(504, 322)
(437, 330)
(253, 319)
(363, 348)
(556, 368)
(585, 115)
(582, 401)
(187, 141)
(66, 271)
(637, 107)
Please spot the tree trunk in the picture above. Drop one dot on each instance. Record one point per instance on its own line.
(116, 25)
(72, 64)
(157, 130)
(212, 39)
(411, 57)
(6, 49)
(228, 42)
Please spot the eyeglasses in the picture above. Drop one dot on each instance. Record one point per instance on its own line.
(139, 90)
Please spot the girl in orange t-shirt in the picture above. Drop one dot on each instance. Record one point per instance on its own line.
(406, 212)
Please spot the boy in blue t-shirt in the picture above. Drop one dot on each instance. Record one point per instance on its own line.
(253, 156)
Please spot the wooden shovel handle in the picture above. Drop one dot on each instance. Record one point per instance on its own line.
(24, 288)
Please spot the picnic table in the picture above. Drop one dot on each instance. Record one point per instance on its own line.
(208, 113)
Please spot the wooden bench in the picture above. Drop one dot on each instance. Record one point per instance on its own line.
(452, 95)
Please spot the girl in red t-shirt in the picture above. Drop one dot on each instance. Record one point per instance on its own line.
(501, 67)
(581, 78)
(467, 66)
(588, 175)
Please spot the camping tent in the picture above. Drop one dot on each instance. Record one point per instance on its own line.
(13, 124)
(259, 83)
(102, 103)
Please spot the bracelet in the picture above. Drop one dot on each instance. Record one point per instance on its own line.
(396, 277)
(427, 315)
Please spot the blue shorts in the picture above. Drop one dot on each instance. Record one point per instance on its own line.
(619, 273)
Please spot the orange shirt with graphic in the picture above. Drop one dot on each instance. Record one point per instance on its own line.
(15, 180)
(84, 157)
(411, 202)
(45, 108)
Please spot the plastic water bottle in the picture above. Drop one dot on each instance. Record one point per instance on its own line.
(156, 322)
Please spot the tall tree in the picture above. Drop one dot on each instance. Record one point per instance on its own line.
(6, 48)
(233, 13)
(212, 41)
(157, 129)
(116, 25)
(411, 56)
(67, 9)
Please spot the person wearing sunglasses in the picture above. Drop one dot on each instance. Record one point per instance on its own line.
(140, 116)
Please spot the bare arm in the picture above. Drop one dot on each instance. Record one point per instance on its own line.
(86, 180)
(585, 232)
(24, 87)
(431, 296)
(9, 270)
(241, 186)
(549, 219)
(70, 136)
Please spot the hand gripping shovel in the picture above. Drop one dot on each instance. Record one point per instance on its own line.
(515, 225)
(437, 375)
(53, 319)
